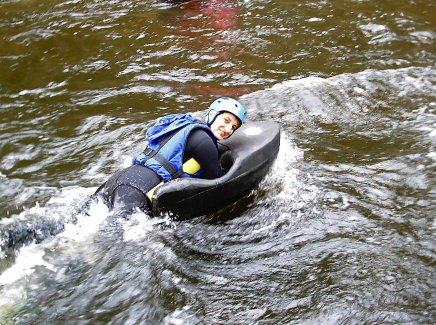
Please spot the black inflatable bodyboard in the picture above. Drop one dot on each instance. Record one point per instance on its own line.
(251, 151)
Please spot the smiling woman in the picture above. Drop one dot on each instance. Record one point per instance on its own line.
(224, 125)
(224, 116)
(173, 142)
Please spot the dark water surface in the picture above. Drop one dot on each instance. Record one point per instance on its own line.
(342, 229)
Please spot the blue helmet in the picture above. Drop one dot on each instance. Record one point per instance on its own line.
(225, 104)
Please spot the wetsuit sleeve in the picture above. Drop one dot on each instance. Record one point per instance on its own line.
(202, 148)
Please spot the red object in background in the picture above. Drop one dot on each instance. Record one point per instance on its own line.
(222, 14)
(194, 19)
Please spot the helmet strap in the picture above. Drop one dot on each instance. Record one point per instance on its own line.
(208, 117)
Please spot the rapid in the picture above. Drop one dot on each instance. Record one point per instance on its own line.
(342, 229)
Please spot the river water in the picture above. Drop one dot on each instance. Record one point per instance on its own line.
(342, 229)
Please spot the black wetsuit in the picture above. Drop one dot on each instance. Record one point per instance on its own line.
(125, 190)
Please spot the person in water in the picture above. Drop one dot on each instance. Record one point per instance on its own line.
(174, 140)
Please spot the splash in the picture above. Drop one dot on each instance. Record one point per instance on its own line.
(77, 232)
(27, 259)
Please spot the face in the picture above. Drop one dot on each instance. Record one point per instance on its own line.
(224, 125)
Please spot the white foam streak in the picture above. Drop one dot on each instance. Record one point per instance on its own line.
(86, 226)
(27, 259)
(288, 189)
(283, 170)
(139, 226)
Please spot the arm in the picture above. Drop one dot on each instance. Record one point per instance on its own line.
(201, 147)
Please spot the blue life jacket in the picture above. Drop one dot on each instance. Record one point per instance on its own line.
(166, 158)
